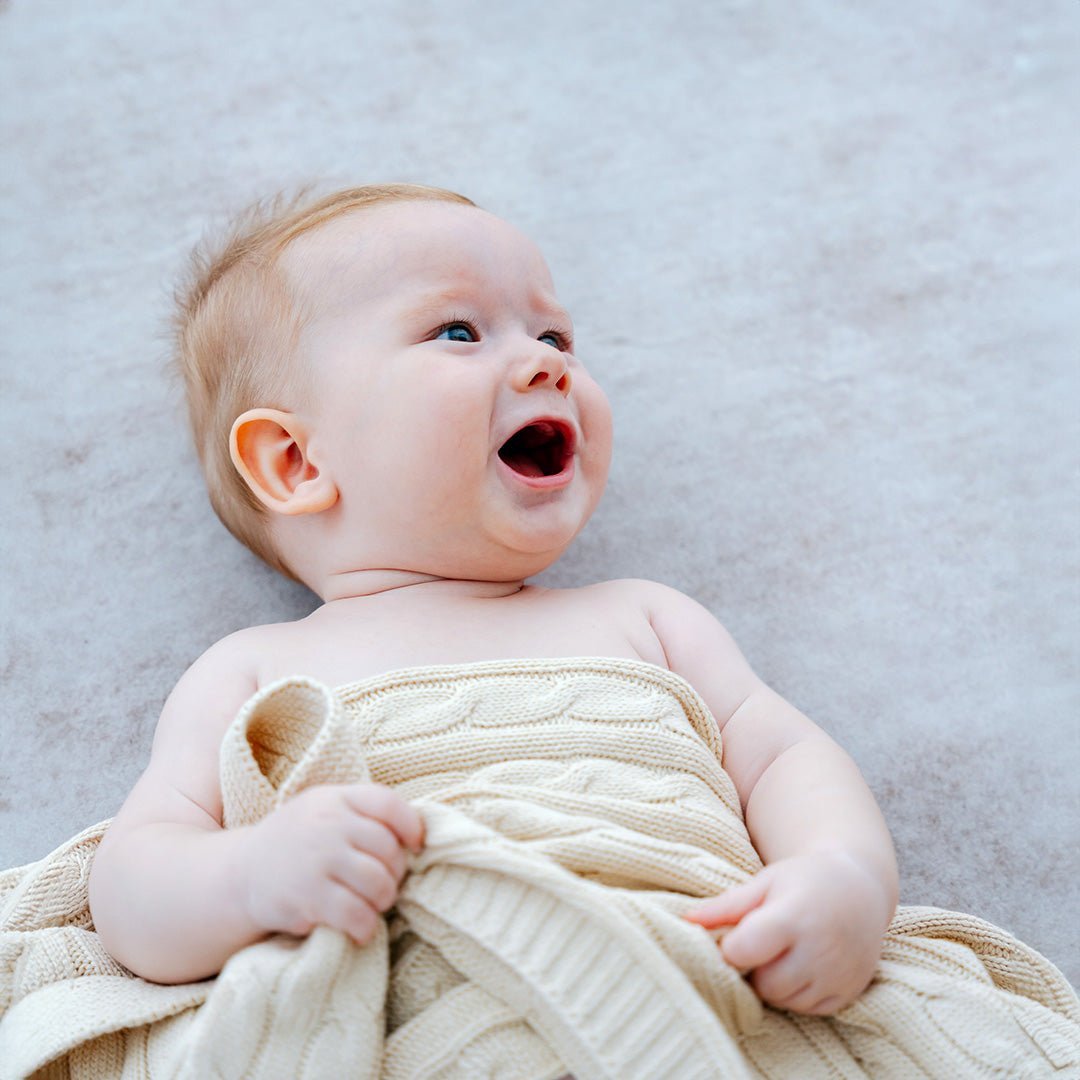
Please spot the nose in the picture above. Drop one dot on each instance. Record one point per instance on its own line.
(543, 366)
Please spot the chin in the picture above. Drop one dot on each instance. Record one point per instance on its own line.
(512, 558)
(544, 534)
(529, 563)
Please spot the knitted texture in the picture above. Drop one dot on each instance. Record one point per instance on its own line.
(573, 808)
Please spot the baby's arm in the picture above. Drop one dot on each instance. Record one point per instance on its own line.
(173, 894)
(810, 925)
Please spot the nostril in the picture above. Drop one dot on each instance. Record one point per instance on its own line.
(539, 377)
(563, 385)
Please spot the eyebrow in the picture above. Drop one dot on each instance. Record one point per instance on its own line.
(554, 311)
(437, 300)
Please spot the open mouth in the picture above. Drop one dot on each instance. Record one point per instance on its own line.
(542, 448)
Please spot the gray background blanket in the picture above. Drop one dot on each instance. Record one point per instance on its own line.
(822, 256)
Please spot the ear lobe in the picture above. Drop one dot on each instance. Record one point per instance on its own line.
(269, 448)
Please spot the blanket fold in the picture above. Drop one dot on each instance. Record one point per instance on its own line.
(574, 809)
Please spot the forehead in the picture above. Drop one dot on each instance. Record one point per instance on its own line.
(376, 253)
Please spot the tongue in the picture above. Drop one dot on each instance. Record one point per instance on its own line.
(522, 463)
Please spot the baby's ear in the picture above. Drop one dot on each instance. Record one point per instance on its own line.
(269, 448)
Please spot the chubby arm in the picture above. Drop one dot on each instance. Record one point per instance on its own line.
(173, 895)
(810, 925)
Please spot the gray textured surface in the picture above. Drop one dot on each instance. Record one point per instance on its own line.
(824, 258)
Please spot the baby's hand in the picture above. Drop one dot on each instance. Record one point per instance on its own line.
(330, 856)
(809, 927)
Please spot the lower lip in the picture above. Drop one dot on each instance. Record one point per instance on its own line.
(541, 483)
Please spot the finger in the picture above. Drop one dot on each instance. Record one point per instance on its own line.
(810, 999)
(826, 1006)
(787, 979)
(372, 837)
(730, 906)
(344, 910)
(367, 877)
(830, 991)
(380, 802)
(758, 939)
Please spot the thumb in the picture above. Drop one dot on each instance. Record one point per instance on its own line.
(730, 906)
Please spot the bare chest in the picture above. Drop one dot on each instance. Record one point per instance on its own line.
(373, 640)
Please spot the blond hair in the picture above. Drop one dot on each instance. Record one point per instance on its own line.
(236, 326)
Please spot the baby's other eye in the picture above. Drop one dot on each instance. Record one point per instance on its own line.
(457, 331)
(556, 340)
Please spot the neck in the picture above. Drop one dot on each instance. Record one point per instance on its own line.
(352, 584)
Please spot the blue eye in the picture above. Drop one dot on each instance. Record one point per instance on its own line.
(557, 339)
(457, 331)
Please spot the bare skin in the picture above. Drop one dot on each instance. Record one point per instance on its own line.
(174, 895)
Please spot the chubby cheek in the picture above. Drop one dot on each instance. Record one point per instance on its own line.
(596, 424)
(444, 453)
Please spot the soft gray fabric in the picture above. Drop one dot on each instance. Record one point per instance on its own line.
(822, 256)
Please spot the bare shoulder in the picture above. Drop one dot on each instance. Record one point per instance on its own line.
(695, 645)
(674, 611)
(206, 698)
(758, 724)
(222, 677)
(632, 593)
(613, 617)
(180, 782)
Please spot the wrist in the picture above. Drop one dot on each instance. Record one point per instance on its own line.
(239, 891)
(875, 870)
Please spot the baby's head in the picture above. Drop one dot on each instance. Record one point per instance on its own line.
(382, 379)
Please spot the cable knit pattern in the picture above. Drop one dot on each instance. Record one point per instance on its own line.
(574, 808)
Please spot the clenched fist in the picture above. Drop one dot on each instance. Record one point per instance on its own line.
(809, 928)
(331, 856)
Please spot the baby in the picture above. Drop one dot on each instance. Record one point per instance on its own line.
(388, 407)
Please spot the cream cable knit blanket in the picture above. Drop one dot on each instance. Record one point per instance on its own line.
(573, 809)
